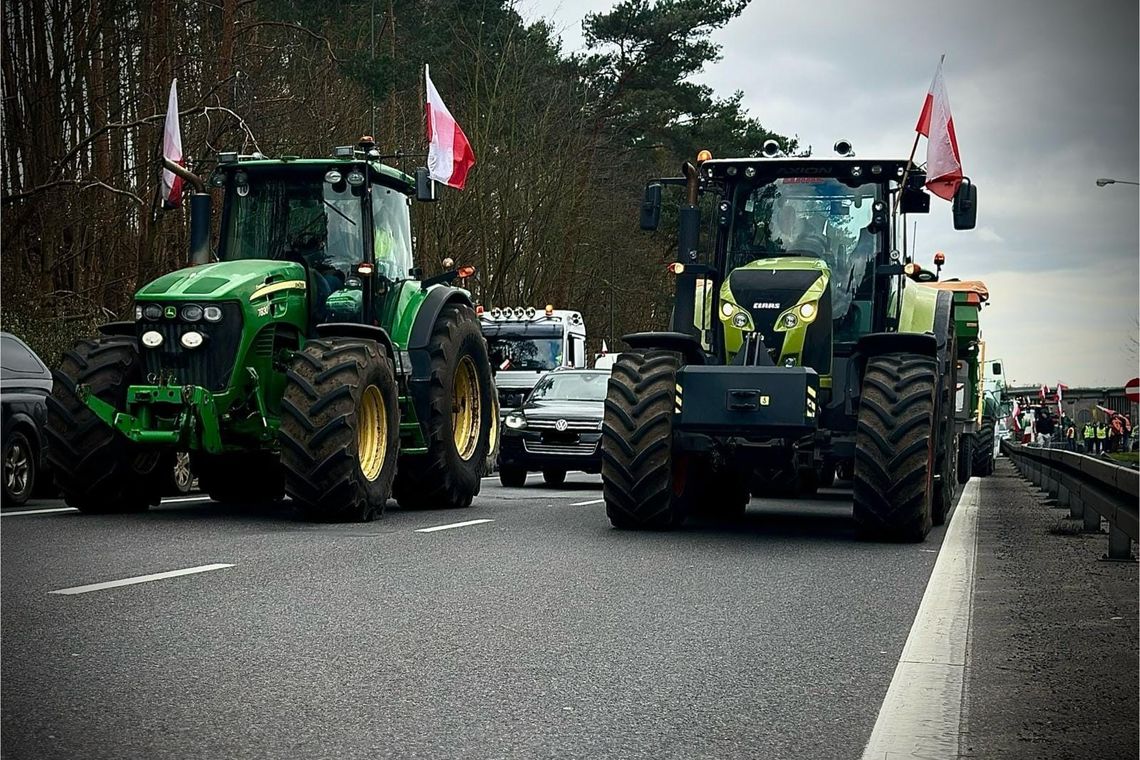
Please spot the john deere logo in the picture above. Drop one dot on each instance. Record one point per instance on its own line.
(170, 312)
(560, 425)
(765, 305)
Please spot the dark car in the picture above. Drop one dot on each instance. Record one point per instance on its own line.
(559, 428)
(25, 383)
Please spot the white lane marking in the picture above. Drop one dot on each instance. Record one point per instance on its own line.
(38, 511)
(452, 525)
(587, 503)
(922, 712)
(182, 499)
(138, 579)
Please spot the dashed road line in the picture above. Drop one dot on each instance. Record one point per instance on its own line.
(587, 503)
(138, 579)
(452, 525)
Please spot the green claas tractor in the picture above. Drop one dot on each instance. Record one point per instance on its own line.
(308, 359)
(795, 347)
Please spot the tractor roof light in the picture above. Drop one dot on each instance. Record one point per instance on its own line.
(227, 157)
(530, 312)
(704, 155)
(467, 271)
(549, 310)
(676, 267)
(912, 269)
(496, 313)
(343, 151)
(365, 269)
(479, 309)
(939, 259)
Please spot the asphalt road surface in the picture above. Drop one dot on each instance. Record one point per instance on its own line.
(539, 632)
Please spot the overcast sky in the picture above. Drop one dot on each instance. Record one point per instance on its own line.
(1045, 100)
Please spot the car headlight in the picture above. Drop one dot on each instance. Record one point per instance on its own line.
(153, 312)
(515, 421)
(192, 312)
(191, 339)
(212, 313)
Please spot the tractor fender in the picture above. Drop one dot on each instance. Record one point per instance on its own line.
(682, 343)
(419, 338)
(355, 330)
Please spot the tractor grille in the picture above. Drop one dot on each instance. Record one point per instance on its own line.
(209, 365)
(784, 288)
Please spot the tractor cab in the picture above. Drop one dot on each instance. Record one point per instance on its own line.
(344, 221)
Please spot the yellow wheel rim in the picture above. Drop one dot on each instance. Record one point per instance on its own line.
(372, 433)
(466, 421)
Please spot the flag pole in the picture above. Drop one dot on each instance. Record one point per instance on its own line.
(917, 134)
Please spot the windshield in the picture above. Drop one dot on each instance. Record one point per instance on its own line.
(810, 216)
(572, 386)
(393, 232)
(294, 216)
(525, 353)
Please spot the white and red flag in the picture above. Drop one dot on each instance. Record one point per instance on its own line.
(943, 162)
(172, 149)
(1044, 392)
(449, 153)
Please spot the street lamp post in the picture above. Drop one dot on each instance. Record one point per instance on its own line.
(1107, 181)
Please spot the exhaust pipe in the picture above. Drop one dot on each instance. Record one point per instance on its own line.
(199, 213)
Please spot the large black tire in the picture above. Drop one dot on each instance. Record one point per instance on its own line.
(965, 457)
(98, 470)
(340, 429)
(637, 432)
(446, 477)
(894, 447)
(984, 450)
(20, 467)
(512, 477)
(253, 478)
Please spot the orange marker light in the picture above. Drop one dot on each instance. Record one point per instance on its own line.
(939, 258)
(704, 155)
(479, 309)
(676, 267)
(912, 269)
(364, 269)
(466, 272)
(549, 309)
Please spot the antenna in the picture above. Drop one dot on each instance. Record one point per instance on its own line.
(372, 61)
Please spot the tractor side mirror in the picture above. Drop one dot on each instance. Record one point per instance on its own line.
(425, 185)
(651, 208)
(996, 368)
(966, 205)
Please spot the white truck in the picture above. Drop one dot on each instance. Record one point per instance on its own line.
(525, 343)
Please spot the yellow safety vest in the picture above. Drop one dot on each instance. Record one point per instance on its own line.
(1101, 432)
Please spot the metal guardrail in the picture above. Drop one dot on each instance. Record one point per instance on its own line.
(1091, 488)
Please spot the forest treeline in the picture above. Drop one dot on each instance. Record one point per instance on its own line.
(564, 142)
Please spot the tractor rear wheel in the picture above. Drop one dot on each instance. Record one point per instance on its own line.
(340, 429)
(459, 425)
(984, 450)
(255, 478)
(98, 469)
(894, 447)
(638, 479)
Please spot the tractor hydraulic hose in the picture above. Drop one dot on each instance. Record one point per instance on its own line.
(199, 213)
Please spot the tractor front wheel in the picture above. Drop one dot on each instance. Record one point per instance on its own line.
(894, 447)
(984, 450)
(461, 418)
(98, 469)
(638, 480)
(340, 430)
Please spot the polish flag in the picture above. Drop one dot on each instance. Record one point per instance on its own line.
(604, 349)
(1061, 387)
(449, 153)
(1044, 392)
(943, 163)
(172, 149)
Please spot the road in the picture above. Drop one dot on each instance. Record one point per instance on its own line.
(539, 633)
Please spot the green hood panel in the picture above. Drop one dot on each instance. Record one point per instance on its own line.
(222, 279)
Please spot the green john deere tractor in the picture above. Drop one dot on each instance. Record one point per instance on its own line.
(308, 359)
(795, 347)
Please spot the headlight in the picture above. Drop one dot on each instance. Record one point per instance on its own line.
(736, 316)
(212, 313)
(807, 310)
(790, 320)
(152, 311)
(726, 309)
(192, 313)
(740, 320)
(138, 312)
(515, 421)
(190, 339)
(152, 339)
(790, 361)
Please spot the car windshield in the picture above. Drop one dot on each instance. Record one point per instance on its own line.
(810, 216)
(572, 386)
(294, 216)
(509, 352)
